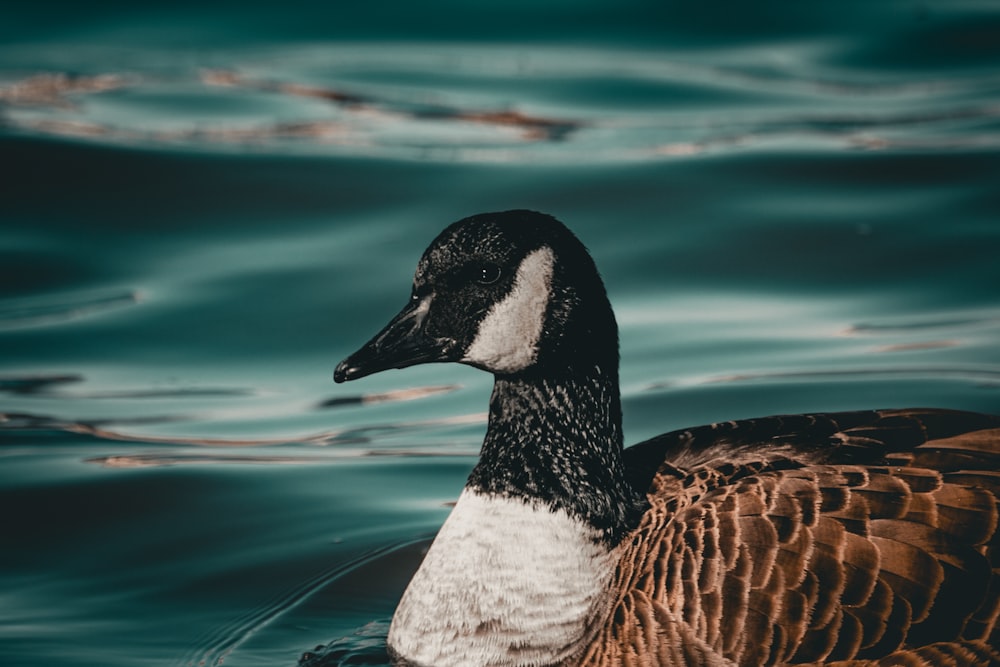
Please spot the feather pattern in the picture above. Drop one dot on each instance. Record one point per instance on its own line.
(865, 538)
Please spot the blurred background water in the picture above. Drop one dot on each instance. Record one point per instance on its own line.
(205, 206)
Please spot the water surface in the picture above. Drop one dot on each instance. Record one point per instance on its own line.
(795, 208)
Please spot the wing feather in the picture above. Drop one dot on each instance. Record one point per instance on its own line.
(864, 537)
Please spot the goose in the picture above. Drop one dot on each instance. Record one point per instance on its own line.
(850, 538)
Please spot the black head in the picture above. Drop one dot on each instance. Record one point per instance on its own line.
(512, 292)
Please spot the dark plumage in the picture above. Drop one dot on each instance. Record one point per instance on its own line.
(866, 537)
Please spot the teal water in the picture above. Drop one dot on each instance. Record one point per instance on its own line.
(795, 207)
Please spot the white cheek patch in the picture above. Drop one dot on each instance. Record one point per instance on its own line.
(508, 336)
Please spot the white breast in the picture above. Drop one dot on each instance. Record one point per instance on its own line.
(506, 582)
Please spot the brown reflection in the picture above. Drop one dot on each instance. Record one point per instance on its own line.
(58, 89)
(231, 79)
(54, 89)
(533, 128)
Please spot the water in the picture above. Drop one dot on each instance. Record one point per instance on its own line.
(795, 208)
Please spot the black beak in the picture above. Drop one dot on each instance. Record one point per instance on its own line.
(403, 342)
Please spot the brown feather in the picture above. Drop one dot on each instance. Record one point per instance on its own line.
(826, 564)
(819, 640)
(888, 496)
(862, 563)
(866, 538)
(914, 574)
(855, 515)
(874, 613)
(968, 514)
(897, 625)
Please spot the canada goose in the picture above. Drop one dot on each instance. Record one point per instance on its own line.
(866, 537)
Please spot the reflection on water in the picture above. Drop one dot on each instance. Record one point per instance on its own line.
(793, 211)
(56, 89)
(484, 103)
(357, 118)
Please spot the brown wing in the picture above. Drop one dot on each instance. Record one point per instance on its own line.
(866, 537)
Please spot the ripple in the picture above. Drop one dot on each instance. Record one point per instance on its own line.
(51, 385)
(365, 646)
(36, 384)
(925, 324)
(59, 88)
(988, 376)
(108, 430)
(34, 312)
(534, 128)
(354, 121)
(182, 392)
(220, 643)
(455, 104)
(410, 394)
(169, 459)
(922, 345)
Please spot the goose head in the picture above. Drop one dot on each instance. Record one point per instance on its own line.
(510, 293)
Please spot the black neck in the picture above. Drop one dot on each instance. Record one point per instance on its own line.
(557, 439)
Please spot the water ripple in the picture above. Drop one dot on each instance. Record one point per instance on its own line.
(218, 645)
(21, 313)
(452, 107)
(984, 377)
(362, 435)
(409, 394)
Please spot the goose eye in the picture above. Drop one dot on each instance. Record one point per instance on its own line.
(486, 274)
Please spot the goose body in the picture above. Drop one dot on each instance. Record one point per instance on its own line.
(863, 537)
